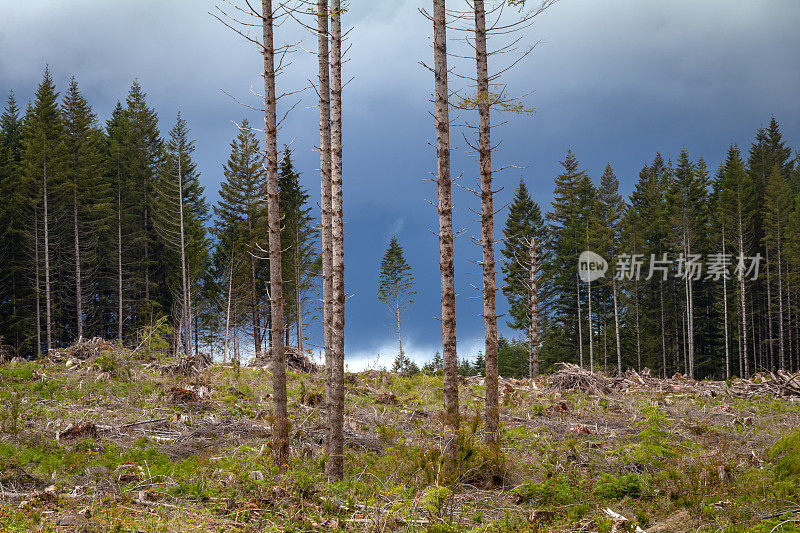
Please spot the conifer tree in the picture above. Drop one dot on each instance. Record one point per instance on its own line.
(124, 219)
(242, 215)
(686, 201)
(301, 262)
(142, 157)
(525, 250)
(16, 296)
(179, 212)
(44, 160)
(567, 222)
(85, 188)
(607, 223)
(396, 285)
(776, 222)
(737, 206)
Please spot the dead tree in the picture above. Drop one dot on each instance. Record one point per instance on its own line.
(267, 19)
(335, 464)
(445, 210)
(277, 349)
(483, 101)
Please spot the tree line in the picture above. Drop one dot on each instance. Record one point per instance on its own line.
(704, 266)
(105, 231)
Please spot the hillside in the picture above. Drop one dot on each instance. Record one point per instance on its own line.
(105, 439)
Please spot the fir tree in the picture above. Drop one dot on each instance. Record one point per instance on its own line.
(43, 161)
(523, 223)
(179, 214)
(16, 296)
(301, 262)
(567, 222)
(396, 285)
(142, 158)
(242, 223)
(86, 192)
(607, 223)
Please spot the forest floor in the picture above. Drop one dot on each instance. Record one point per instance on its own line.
(115, 443)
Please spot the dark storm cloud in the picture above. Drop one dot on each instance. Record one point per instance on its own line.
(615, 80)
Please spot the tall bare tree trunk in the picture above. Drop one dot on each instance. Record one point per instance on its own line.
(591, 329)
(399, 334)
(78, 289)
(297, 301)
(616, 325)
(638, 330)
(324, 89)
(533, 334)
(725, 314)
(120, 317)
(445, 208)
(281, 414)
(742, 302)
(492, 435)
(689, 307)
(580, 321)
(186, 317)
(605, 335)
(770, 347)
(335, 464)
(663, 330)
(48, 305)
(228, 312)
(254, 300)
(781, 344)
(38, 286)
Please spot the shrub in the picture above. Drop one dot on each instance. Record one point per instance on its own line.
(786, 454)
(557, 490)
(612, 487)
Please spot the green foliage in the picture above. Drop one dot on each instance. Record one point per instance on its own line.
(524, 223)
(653, 443)
(153, 340)
(556, 490)
(786, 455)
(617, 487)
(10, 403)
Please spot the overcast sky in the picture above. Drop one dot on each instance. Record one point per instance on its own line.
(615, 81)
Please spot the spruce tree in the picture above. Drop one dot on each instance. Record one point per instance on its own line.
(16, 294)
(607, 222)
(242, 223)
(526, 243)
(179, 214)
(777, 212)
(396, 285)
(301, 263)
(737, 206)
(142, 158)
(86, 192)
(567, 223)
(44, 162)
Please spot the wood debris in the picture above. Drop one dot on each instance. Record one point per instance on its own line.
(571, 377)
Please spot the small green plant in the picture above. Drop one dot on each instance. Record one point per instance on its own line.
(786, 455)
(153, 340)
(106, 362)
(612, 487)
(653, 444)
(9, 412)
(557, 490)
(434, 498)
